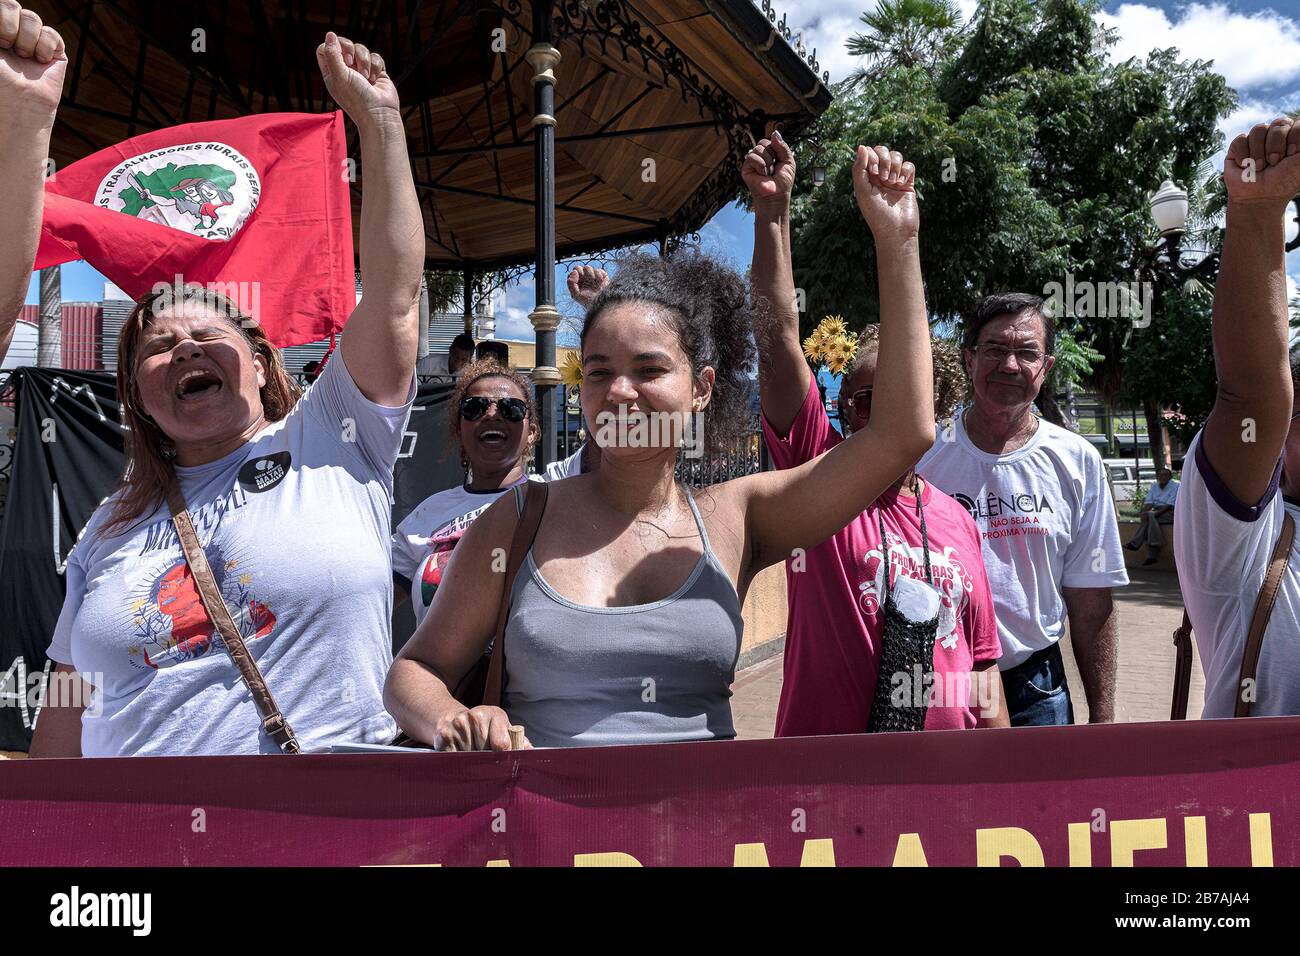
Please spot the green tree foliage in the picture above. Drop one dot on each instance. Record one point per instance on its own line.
(1173, 360)
(905, 33)
(1035, 160)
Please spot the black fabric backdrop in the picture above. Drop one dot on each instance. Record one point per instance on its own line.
(67, 458)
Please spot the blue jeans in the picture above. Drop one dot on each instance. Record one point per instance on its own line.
(1037, 692)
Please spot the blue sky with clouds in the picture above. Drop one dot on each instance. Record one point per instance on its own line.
(1254, 44)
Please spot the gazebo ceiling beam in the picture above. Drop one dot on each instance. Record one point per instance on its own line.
(263, 39)
(164, 118)
(620, 22)
(510, 98)
(488, 90)
(609, 134)
(188, 62)
(141, 57)
(84, 28)
(434, 36)
(481, 194)
(94, 147)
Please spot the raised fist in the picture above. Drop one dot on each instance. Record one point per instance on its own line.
(32, 64)
(1264, 164)
(769, 170)
(885, 187)
(356, 79)
(585, 283)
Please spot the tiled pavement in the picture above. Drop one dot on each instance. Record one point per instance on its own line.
(1150, 608)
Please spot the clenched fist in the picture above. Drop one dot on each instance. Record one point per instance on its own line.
(1264, 165)
(885, 187)
(585, 283)
(357, 80)
(768, 171)
(32, 64)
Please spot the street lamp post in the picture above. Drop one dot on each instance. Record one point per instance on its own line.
(1169, 210)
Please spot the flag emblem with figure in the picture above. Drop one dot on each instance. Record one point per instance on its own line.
(255, 207)
(208, 189)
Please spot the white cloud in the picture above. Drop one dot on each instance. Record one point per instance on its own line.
(512, 307)
(1259, 49)
(828, 28)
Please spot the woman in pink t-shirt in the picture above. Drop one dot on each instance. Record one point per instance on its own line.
(837, 590)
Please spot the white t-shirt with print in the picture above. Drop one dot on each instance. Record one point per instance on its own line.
(423, 541)
(295, 525)
(1222, 547)
(1046, 522)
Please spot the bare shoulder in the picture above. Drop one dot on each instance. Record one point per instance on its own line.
(723, 510)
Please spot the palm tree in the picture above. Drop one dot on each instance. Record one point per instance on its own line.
(905, 33)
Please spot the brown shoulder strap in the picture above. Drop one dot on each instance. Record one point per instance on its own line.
(273, 722)
(1182, 669)
(525, 532)
(1263, 611)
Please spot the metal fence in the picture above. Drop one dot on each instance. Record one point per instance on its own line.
(8, 435)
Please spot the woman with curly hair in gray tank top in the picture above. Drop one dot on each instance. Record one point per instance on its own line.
(625, 621)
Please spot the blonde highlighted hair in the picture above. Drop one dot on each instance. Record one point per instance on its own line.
(149, 472)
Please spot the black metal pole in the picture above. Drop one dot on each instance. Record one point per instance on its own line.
(543, 57)
(468, 289)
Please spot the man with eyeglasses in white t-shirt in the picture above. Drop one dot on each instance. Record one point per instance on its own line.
(1039, 496)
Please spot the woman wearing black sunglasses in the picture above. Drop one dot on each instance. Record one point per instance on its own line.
(625, 621)
(494, 426)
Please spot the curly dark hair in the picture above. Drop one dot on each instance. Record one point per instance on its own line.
(708, 306)
(476, 371)
(949, 373)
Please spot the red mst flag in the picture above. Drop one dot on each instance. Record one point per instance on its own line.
(256, 208)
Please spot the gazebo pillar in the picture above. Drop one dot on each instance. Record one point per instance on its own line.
(543, 57)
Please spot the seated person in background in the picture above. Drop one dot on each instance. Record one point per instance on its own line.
(1158, 509)
(833, 681)
(494, 426)
(1230, 515)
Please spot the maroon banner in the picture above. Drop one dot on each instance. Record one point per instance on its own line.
(1218, 792)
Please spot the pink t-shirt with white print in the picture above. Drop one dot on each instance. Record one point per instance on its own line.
(832, 643)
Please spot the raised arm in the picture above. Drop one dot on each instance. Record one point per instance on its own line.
(801, 507)
(1245, 432)
(382, 334)
(449, 641)
(783, 375)
(585, 283)
(32, 64)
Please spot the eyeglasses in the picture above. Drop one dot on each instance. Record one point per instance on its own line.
(997, 354)
(474, 407)
(859, 401)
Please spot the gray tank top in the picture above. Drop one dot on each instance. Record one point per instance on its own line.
(579, 676)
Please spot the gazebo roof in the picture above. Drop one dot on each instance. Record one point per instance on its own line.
(654, 101)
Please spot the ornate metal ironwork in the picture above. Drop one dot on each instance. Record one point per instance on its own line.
(612, 20)
(784, 32)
